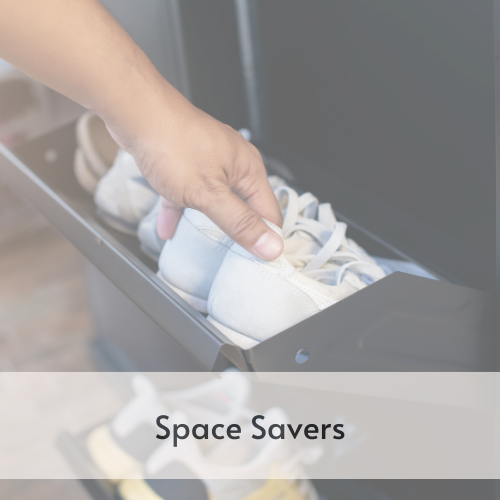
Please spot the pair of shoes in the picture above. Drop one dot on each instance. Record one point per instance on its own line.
(123, 196)
(250, 299)
(127, 453)
(95, 152)
(231, 469)
(120, 447)
(152, 244)
(190, 261)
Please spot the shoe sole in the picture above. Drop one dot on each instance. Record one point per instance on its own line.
(199, 304)
(116, 223)
(237, 338)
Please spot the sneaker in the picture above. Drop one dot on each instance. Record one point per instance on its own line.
(232, 469)
(123, 196)
(315, 242)
(151, 243)
(252, 300)
(190, 260)
(87, 179)
(119, 448)
(95, 153)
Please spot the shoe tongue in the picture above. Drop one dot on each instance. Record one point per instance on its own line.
(301, 243)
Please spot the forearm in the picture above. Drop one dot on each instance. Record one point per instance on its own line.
(77, 48)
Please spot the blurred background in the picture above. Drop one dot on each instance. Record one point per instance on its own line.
(44, 320)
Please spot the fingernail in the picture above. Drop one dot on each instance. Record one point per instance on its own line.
(268, 247)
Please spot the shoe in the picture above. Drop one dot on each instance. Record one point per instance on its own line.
(252, 300)
(87, 179)
(123, 196)
(190, 260)
(315, 242)
(232, 469)
(276, 181)
(152, 244)
(96, 151)
(147, 233)
(119, 448)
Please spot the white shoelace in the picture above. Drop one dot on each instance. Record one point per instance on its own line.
(340, 254)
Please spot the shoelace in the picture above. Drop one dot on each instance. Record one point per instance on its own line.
(300, 214)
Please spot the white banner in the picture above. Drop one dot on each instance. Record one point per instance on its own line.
(248, 426)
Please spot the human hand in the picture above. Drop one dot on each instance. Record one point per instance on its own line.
(190, 158)
(195, 161)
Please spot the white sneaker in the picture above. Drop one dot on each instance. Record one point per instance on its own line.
(95, 153)
(232, 469)
(87, 179)
(120, 447)
(123, 196)
(315, 242)
(252, 300)
(265, 470)
(147, 233)
(190, 260)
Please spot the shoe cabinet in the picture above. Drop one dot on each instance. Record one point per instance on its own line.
(388, 116)
(400, 136)
(401, 323)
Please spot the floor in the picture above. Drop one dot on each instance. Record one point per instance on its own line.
(45, 324)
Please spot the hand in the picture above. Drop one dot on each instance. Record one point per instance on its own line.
(195, 161)
(190, 158)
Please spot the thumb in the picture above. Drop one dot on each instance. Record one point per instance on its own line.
(242, 224)
(168, 218)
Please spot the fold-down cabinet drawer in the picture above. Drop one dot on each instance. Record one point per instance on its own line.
(400, 323)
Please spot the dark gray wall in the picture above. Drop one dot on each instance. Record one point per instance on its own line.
(396, 99)
(155, 26)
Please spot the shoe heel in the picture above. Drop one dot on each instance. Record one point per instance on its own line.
(240, 340)
(198, 303)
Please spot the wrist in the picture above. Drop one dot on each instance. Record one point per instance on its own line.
(144, 108)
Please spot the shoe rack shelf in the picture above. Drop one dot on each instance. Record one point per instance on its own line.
(401, 323)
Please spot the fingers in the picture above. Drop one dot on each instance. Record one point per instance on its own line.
(242, 224)
(168, 218)
(258, 194)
